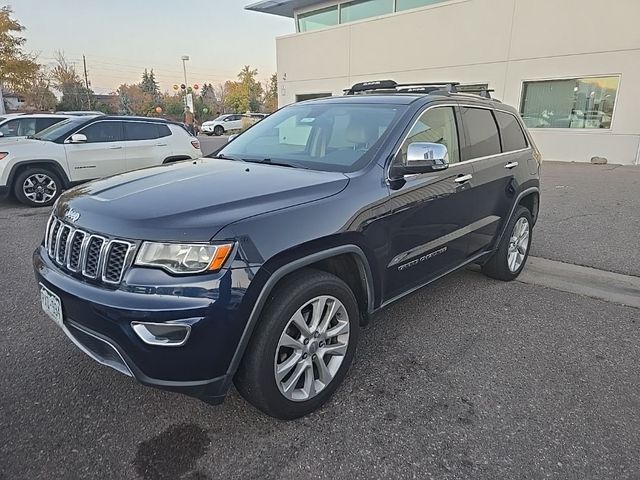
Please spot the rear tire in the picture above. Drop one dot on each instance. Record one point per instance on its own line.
(37, 187)
(286, 372)
(218, 130)
(511, 256)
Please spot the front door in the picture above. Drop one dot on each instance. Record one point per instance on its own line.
(428, 225)
(101, 156)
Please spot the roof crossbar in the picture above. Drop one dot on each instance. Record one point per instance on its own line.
(414, 87)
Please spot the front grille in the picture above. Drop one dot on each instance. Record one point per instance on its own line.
(92, 256)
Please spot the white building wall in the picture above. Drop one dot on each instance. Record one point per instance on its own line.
(500, 42)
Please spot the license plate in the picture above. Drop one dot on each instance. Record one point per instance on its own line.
(51, 304)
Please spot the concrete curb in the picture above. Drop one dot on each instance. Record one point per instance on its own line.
(590, 282)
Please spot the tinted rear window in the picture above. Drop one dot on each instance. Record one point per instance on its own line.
(512, 135)
(482, 133)
(140, 131)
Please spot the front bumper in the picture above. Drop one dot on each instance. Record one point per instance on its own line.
(98, 320)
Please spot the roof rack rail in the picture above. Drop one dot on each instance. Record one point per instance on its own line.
(391, 86)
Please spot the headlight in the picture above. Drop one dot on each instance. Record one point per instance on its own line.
(184, 257)
(3, 154)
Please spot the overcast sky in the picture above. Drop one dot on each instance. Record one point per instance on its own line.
(121, 38)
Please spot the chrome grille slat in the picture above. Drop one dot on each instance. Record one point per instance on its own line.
(81, 252)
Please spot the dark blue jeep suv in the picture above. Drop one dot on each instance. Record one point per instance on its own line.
(259, 264)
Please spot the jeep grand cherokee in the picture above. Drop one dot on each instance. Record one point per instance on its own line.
(259, 265)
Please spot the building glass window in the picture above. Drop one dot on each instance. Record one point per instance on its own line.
(408, 4)
(325, 17)
(569, 103)
(359, 9)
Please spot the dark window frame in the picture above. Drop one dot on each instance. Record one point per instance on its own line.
(153, 126)
(468, 143)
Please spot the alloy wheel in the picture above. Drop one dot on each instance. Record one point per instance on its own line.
(39, 188)
(518, 244)
(311, 348)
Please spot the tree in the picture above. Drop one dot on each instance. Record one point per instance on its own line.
(133, 100)
(245, 94)
(149, 84)
(270, 100)
(38, 95)
(17, 69)
(65, 79)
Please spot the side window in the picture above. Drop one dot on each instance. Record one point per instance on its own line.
(27, 126)
(42, 123)
(482, 133)
(163, 130)
(10, 129)
(513, 137)
(101, 132)
(436, 125)
(140, 131)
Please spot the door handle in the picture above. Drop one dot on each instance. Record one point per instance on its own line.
(161, 144)
(511, 165)
(115, 147)
(463, 178)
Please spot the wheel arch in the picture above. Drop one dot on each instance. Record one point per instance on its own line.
(51, 164)
(530, 193)
(334, 260)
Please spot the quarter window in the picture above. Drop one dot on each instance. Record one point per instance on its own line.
(436, 125)
(513, 137)
(100, 132)
(163, 131)
(570, 103)
(482, 133)
(140, 131)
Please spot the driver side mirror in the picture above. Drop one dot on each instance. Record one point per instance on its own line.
(78, 138)
(422, 157)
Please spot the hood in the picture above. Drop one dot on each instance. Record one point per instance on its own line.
(193, 200)
(27, 147)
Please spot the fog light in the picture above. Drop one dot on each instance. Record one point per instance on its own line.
(162, 334)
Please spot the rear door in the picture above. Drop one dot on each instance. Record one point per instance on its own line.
(496, 155)
(103, 153)
(428, 227)
(143, 145)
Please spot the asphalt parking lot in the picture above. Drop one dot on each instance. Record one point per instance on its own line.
(467, 378)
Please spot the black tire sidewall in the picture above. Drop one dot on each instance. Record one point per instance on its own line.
(22, 176)
(256, 375)
(218, 131)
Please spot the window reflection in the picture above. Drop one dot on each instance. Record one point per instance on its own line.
(569, 103)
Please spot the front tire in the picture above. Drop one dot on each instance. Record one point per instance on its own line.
(37, 187)
(218, 130)
(512, 253)
(302, 347)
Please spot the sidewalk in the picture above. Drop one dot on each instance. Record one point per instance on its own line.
(590, 215)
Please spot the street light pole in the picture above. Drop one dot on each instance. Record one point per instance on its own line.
(184, 59)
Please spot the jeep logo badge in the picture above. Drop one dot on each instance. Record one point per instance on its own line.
(71, 215)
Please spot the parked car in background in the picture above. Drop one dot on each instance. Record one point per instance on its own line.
(259, 265)
(82, 148)
(28, 124)
(229, 122)
(82, 113)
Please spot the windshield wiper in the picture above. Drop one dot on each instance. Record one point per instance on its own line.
(223, 156)
(268, 161)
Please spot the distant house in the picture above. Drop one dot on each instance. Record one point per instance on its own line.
(12, 102)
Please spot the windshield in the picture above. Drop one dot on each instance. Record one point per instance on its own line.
(324, 136)
(59, 129)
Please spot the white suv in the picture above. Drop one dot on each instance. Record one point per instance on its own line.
(232, 121)
(79, 149)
